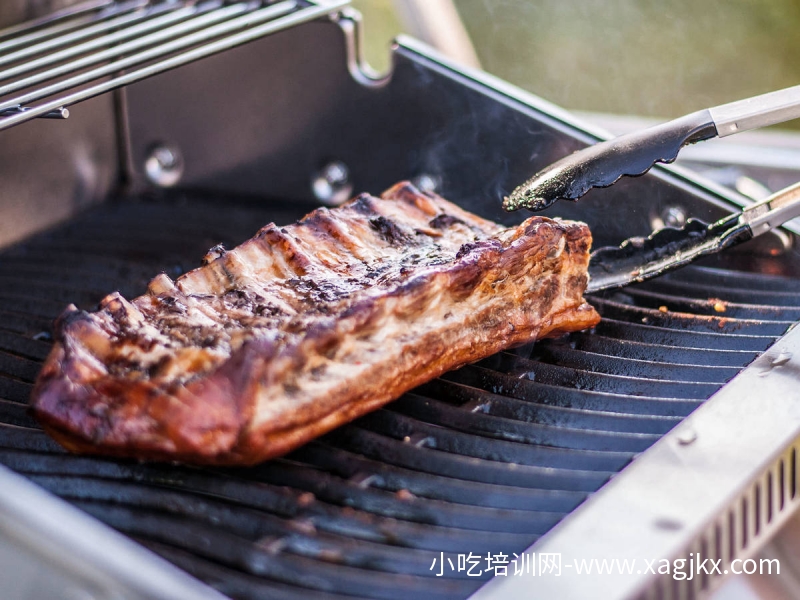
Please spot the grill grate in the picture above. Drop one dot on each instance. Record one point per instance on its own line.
(97, 47)
(485, 459)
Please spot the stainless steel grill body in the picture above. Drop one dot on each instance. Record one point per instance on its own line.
(484, 459)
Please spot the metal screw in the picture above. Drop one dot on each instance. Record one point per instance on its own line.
(164, 165)
(331, 185)
(673, 216)
(426, 182)
(687, 436)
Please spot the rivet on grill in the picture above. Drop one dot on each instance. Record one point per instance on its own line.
(673, 216)
(426, 182)
(164, 165)
(331, 184)
(687, 436)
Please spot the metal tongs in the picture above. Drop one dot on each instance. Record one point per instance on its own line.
(639, 259)
(635, 153)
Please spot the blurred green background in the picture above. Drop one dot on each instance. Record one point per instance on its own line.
(657, 58)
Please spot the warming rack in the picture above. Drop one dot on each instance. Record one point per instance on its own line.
(50, 64)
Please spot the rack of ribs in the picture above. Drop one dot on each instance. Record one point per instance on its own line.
(306, 327)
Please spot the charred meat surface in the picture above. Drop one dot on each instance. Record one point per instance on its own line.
(306, 327)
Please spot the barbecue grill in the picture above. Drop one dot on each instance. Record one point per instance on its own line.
(136, 135)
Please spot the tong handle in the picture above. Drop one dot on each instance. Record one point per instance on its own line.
(758, 111)
(774, 211)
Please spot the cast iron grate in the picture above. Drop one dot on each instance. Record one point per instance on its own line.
(484, 460)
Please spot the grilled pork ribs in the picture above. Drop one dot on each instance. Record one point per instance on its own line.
(303, 328)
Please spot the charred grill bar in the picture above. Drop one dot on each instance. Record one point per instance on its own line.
(485, 459)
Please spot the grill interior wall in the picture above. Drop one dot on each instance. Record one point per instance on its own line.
(50, 171)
